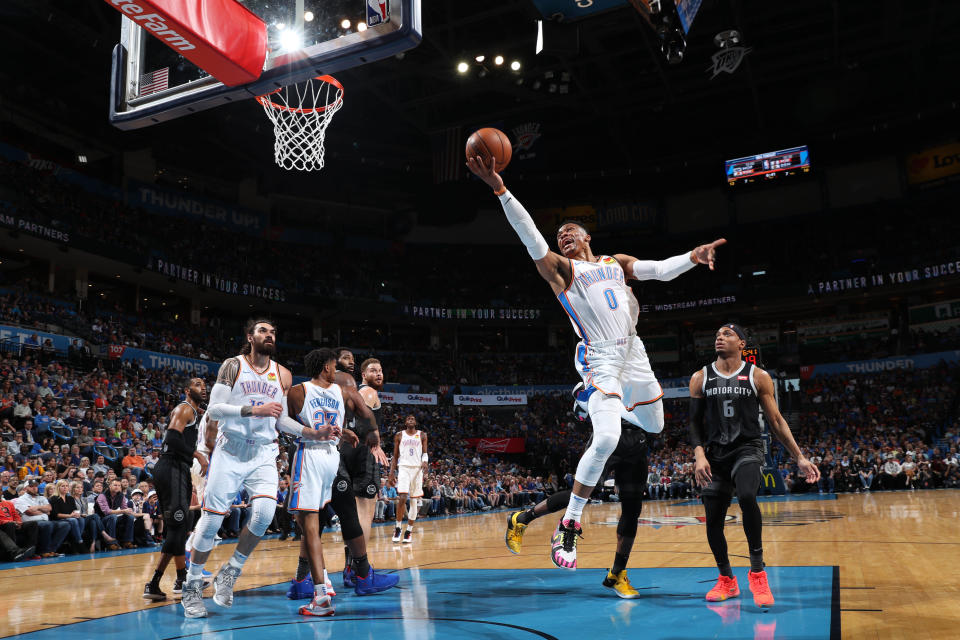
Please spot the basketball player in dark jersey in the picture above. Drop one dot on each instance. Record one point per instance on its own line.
(725, 402)
(628, 462)
(367, 484)
(171, 476)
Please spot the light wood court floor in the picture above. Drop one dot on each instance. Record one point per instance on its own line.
(898, 559)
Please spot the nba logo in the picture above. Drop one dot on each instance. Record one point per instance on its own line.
(377, 12)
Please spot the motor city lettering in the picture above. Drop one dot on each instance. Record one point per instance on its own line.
(155, 23)
(736, 391)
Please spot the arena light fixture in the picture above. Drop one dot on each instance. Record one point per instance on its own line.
(480, 58)
(515, 65)
(308, 16)
(463, 67)
(361, 26)
(498, 60)
(345, 24)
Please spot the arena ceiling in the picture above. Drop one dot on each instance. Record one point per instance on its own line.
(862, 76)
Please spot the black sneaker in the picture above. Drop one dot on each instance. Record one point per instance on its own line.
(407, 536)
(396, 534)
(152, 592)
(24, 554)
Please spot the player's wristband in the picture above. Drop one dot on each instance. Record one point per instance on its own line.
(425, 458)
(499, 192)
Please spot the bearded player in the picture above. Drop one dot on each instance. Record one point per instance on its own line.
(248, 403)
(725, 402)
(611, 359)
(372, 457)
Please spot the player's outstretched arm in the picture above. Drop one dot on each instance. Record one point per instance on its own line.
(551, 266)
(671, 267)
(779, 426)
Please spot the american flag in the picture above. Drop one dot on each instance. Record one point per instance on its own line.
(154, 81)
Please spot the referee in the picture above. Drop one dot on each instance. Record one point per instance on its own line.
(725, 401)
(171, 475)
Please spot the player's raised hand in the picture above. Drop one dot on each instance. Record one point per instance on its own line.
(486, 172)
(707, 253)
(268, 410)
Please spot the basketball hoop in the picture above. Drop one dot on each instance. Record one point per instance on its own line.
(300, 115)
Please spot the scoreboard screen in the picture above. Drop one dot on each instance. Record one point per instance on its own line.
(752, 355)
(766, 167)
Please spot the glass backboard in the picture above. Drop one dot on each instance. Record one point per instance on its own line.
(152, 83)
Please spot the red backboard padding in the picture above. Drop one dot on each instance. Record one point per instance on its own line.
(222, 37)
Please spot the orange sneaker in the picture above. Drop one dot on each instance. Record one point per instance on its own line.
(760, 589)
(725, 588)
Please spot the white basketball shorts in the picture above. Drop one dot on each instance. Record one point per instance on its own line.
(237, 465)
(619, 368)
(410, 480)
(314, 472)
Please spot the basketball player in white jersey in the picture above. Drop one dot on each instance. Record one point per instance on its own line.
(319, 404)
(248, 402)
(410, 456)
(611, 359)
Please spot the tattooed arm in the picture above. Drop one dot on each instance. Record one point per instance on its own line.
(220, 406)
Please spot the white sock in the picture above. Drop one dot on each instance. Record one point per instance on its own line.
(574, 508)
(236, 560)
(320, 590)
(195, 572)
(326, 578)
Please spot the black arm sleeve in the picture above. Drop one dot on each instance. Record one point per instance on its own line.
(176, 444)
(697, 406)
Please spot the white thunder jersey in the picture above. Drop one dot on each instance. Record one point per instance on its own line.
(600, 304)
(253, 388)
(411, 449)
(321, 408)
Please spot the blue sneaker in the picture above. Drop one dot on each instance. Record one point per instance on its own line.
(349, 578)
(302, 589)
(375, 583)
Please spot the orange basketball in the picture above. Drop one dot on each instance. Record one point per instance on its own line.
(489, 142)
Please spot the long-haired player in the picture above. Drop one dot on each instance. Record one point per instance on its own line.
(611, 359)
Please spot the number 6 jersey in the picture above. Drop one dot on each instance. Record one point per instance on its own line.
(732, 412)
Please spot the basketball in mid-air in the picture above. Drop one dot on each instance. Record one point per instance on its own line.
(489, 142)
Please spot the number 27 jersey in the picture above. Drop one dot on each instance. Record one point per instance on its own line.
(322, 407)
(599, 302)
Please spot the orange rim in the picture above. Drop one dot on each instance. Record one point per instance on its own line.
(266, 101)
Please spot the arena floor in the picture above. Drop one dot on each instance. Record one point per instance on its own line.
(879, 566)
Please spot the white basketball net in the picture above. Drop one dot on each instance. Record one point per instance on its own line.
(300, 115)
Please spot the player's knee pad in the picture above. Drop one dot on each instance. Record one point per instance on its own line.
(605, 416)
(629, 512)
(648, 417)
(206, 531)
(262, 516)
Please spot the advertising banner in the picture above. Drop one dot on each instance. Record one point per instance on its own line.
(936, 165)
(180, 204)
(31, 337)
(408, 398)
(497, 445)
(490, 401)
(924, 361)
(155, 360)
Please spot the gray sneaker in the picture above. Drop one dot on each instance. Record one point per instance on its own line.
(223, 585)
(192, 600)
